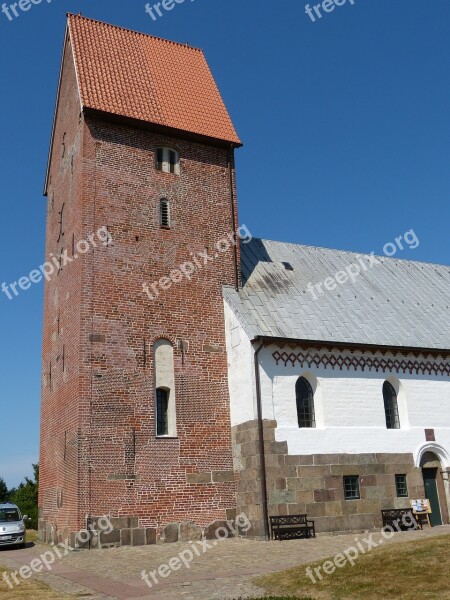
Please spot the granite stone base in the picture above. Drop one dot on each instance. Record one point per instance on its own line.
(126, 532)
(313, 484)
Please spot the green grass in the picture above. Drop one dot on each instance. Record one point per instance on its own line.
(31, 536)
(407, 571)
(30, 588)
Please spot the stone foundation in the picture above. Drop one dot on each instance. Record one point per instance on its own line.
(126, 532)
(313, 484)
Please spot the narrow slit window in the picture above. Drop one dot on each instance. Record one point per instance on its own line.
(165, 397)
(162, 412)
(164, 213)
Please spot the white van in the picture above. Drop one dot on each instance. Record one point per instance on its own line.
(12, 526)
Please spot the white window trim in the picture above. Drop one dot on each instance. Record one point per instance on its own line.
(165, 166)
(165, 378)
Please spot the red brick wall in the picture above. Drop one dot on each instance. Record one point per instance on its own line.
(60, 418)
(108, 398)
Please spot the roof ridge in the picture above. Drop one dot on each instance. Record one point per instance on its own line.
(383, 256)
(140, 33)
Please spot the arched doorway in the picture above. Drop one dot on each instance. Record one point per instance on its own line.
(434, 488)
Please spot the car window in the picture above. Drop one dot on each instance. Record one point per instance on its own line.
(8, 515)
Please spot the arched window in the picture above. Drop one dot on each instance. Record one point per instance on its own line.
(168, 161)
(164, 213)
(305, 403)
(390, 406)
(165, 409)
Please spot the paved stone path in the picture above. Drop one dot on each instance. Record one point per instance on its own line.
(220, 572)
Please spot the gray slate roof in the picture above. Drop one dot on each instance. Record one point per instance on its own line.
(395, 303)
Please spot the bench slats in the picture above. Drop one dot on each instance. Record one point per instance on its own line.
(393, 518)
(291, 527)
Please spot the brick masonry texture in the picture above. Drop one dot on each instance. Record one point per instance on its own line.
(313, 484)
(99, 452)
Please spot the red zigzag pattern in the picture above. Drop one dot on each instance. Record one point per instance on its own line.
(420, 367)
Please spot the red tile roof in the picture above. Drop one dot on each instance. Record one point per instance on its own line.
(139, 76)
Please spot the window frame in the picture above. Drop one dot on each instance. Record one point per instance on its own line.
(164, 219)
(167, 160)
(350, 485)
(391, 413)
(306, 413)
(162, 395)
(401, 485)
(164, 381)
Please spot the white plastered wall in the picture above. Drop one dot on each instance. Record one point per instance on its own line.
(241, 379)
(350, 409)
(349, 404)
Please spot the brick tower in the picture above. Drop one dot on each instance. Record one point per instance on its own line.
(135, 407)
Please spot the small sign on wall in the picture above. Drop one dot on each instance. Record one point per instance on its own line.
(429, 435)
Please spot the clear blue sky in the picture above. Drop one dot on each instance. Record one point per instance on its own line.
(346, 130)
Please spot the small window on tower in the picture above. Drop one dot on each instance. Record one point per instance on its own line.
(165, 409)
(168, 161)
(162, 412)
(164, 213)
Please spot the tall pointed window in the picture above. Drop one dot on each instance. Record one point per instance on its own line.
(305, 403)
(390, 406)
(168, 161)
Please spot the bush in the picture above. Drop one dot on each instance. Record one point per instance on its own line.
(4, 497)
(26, 498)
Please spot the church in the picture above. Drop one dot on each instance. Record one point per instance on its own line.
(233, 390)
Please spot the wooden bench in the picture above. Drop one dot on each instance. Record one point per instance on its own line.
(291, 527)
(394, 518)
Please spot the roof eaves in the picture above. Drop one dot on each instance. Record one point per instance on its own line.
(267, 339)
(157, 127)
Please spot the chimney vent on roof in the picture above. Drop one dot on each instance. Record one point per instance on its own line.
(287, 266)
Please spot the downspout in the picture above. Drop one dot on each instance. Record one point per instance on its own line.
(262, 453)
(233, 216)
